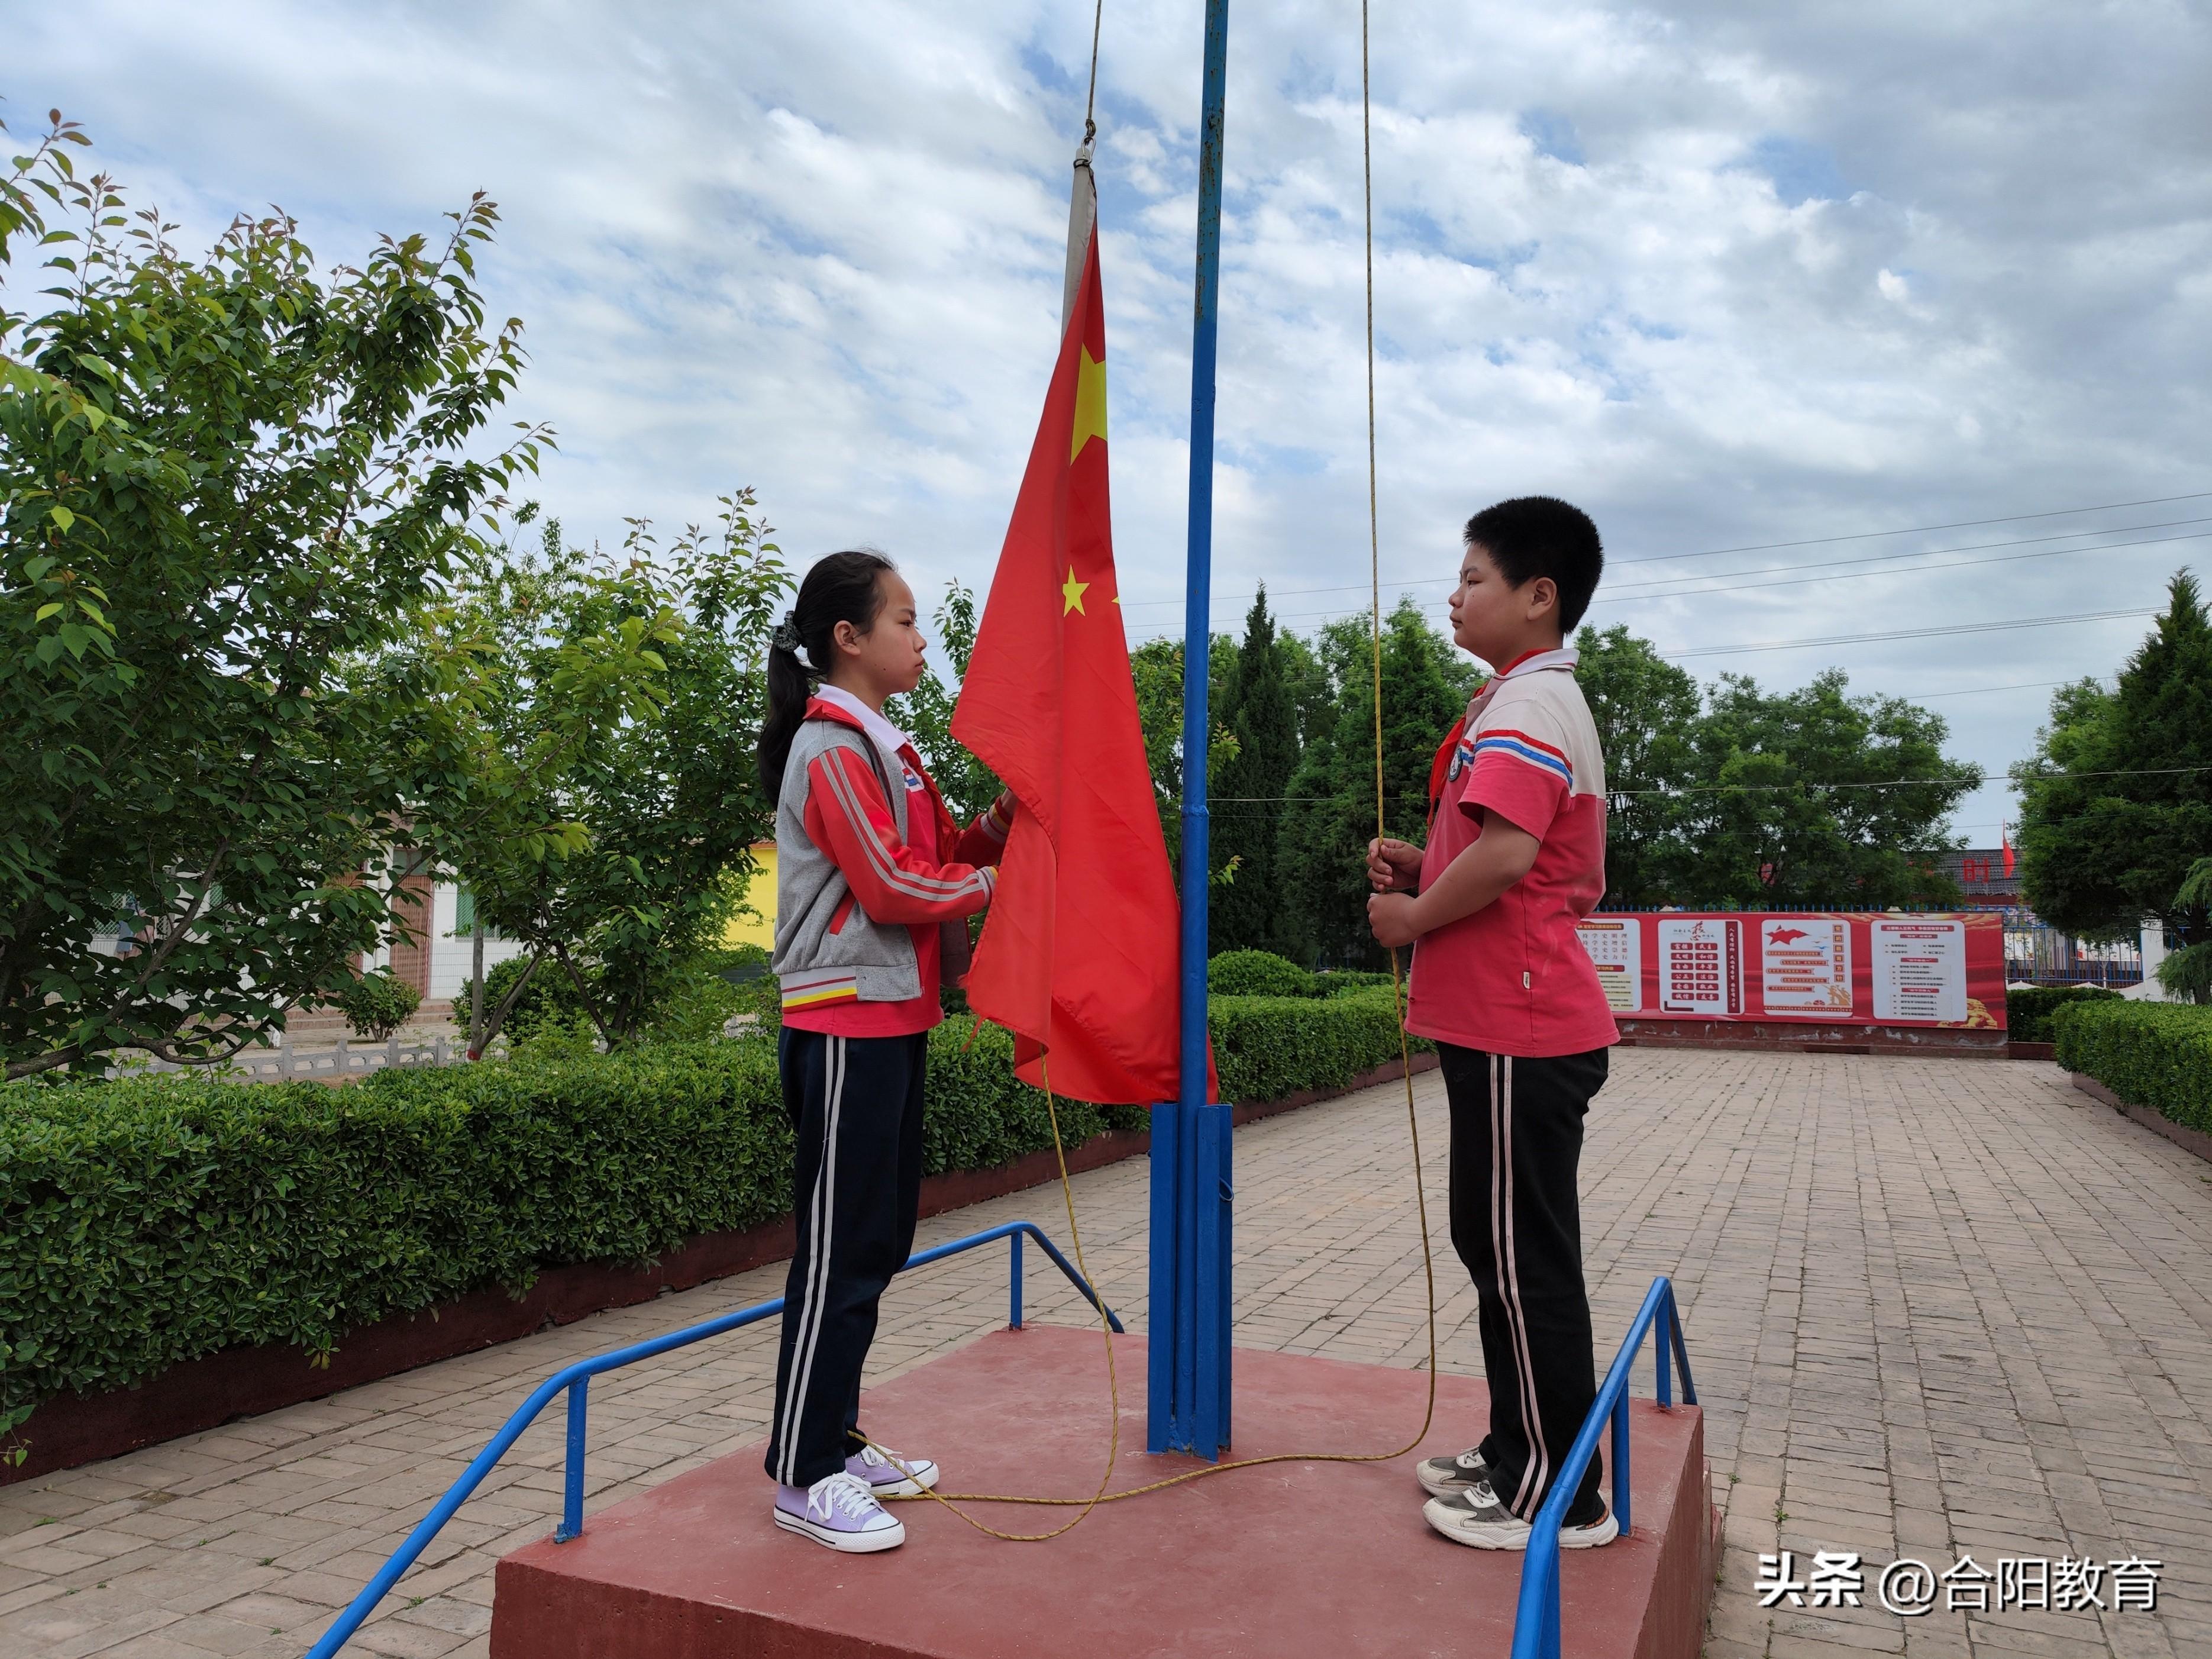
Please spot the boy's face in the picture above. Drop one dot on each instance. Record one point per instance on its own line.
(1497, 621)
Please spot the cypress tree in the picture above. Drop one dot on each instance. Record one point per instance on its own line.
(1321, 853)
(1247, 911)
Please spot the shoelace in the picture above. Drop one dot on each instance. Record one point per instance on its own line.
(841, 1494)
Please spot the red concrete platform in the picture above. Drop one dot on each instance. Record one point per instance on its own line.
(1293, 1559)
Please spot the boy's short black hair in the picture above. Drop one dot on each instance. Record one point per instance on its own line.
(1533, 535)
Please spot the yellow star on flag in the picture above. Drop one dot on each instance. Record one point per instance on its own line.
(1089, 403)
(1072, 592)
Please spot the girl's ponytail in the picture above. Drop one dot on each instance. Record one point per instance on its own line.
(841, 587)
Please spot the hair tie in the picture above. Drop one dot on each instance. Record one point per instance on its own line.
(784, 636)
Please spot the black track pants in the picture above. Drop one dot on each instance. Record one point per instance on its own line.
(1516, 1140)
(855, 1104)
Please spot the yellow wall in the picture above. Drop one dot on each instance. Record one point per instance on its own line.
(761, 895)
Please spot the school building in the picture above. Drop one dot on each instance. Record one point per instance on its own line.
(760, 895)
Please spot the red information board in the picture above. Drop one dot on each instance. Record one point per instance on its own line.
(1836, 968)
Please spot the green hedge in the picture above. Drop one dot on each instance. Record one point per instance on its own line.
(1265, 1047)
(2149, 1054)
(146, 1222)
(1343, 981)
(2029, 1009)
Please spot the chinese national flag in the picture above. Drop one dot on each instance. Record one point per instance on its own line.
(1078, 956)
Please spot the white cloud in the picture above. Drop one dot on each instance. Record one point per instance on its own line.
(1723, 277)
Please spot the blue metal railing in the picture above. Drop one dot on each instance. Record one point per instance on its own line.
(576, 1380)
(1536, 1620)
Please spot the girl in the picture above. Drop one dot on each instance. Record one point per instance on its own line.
(874, 884)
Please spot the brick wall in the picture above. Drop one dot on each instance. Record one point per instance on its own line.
(410, 960)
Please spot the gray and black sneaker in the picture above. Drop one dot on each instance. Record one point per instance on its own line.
(1476, 1518)
(1446, 1477)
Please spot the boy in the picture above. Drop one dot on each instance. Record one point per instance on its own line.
(1516, 858)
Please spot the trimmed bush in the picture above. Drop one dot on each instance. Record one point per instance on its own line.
(377, 1005)
(2028, 1010)
(1258, 974)
(1265, 1047)
(2157, 1054)
(549, 998)
(700, 1002)
(146, 1222)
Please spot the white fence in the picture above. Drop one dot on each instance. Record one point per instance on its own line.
(283, 1063)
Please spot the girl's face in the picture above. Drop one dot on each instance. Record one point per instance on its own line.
(886, 661)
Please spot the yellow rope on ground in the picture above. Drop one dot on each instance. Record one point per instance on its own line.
(953, 1500)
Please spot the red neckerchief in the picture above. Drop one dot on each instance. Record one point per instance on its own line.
(1442, 764)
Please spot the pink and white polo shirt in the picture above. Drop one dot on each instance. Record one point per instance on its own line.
(1513, 978)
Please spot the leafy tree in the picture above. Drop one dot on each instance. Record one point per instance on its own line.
(1647, 711)
(1815, 797)
(1247, 911)
(926, 714)
(1330, 818)
(666, 800)
(226, 484)
(1156, 667)
(2116, 806)
(1307, 677)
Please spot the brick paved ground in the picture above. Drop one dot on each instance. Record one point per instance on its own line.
(1934, 1310)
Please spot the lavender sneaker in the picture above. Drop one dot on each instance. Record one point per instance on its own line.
(840, 1511)
(887, 1474)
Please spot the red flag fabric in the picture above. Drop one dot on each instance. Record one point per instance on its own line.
(1079, 953)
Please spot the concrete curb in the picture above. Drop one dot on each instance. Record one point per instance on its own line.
(2189, 1139)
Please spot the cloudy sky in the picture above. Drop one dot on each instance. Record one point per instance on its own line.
(1911, 303)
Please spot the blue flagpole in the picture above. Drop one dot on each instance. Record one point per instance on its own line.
(1189, 1368)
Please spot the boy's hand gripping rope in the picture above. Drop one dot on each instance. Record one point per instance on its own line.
(1085, 1505)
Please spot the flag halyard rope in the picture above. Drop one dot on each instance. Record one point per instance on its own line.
(1090, 98)
(952, 1501)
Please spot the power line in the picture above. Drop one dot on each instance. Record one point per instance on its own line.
(1814, 541)
(1914, 570)
(1906, 634)
(1977, 690)
(1920, 529)
(1727, 584)
(1899, 783)
(1764, 788)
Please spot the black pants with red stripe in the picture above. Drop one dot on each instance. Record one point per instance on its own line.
(855, 1105)
(1516, 1142)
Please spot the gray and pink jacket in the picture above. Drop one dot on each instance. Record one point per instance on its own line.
(849, 888)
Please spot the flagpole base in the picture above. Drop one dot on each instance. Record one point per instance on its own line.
(1188, 1355)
